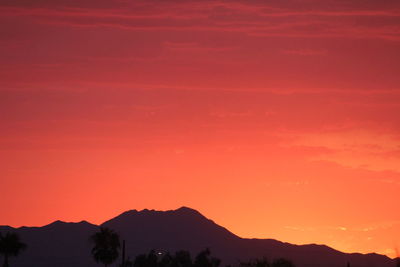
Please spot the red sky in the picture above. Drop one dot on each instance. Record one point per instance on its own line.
(276, 119)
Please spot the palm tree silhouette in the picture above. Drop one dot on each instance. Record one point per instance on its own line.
(106, 246)
(10, 245)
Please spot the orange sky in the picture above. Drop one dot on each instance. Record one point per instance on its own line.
(276, 119)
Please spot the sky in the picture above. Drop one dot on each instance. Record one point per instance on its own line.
(276, 119)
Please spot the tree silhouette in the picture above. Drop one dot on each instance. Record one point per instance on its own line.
(127, 263)
(149, 260)
(182, 258)
(140, 260)
(281, 262)
(204, 259)
(10, 245)
(166, 260)
(256, 263)
(106, 246)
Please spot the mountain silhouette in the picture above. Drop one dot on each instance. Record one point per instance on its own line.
(64, 244)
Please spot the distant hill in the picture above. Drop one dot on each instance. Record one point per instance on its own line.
(66, 244)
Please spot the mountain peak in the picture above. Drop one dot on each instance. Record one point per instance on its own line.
(179, 211)
(182, 225)
(186, 209)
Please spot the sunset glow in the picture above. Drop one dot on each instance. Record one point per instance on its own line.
(275, 119)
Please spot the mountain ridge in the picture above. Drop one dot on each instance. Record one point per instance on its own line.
(172, 230)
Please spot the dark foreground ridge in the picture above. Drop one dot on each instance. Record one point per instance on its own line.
(64, 244)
